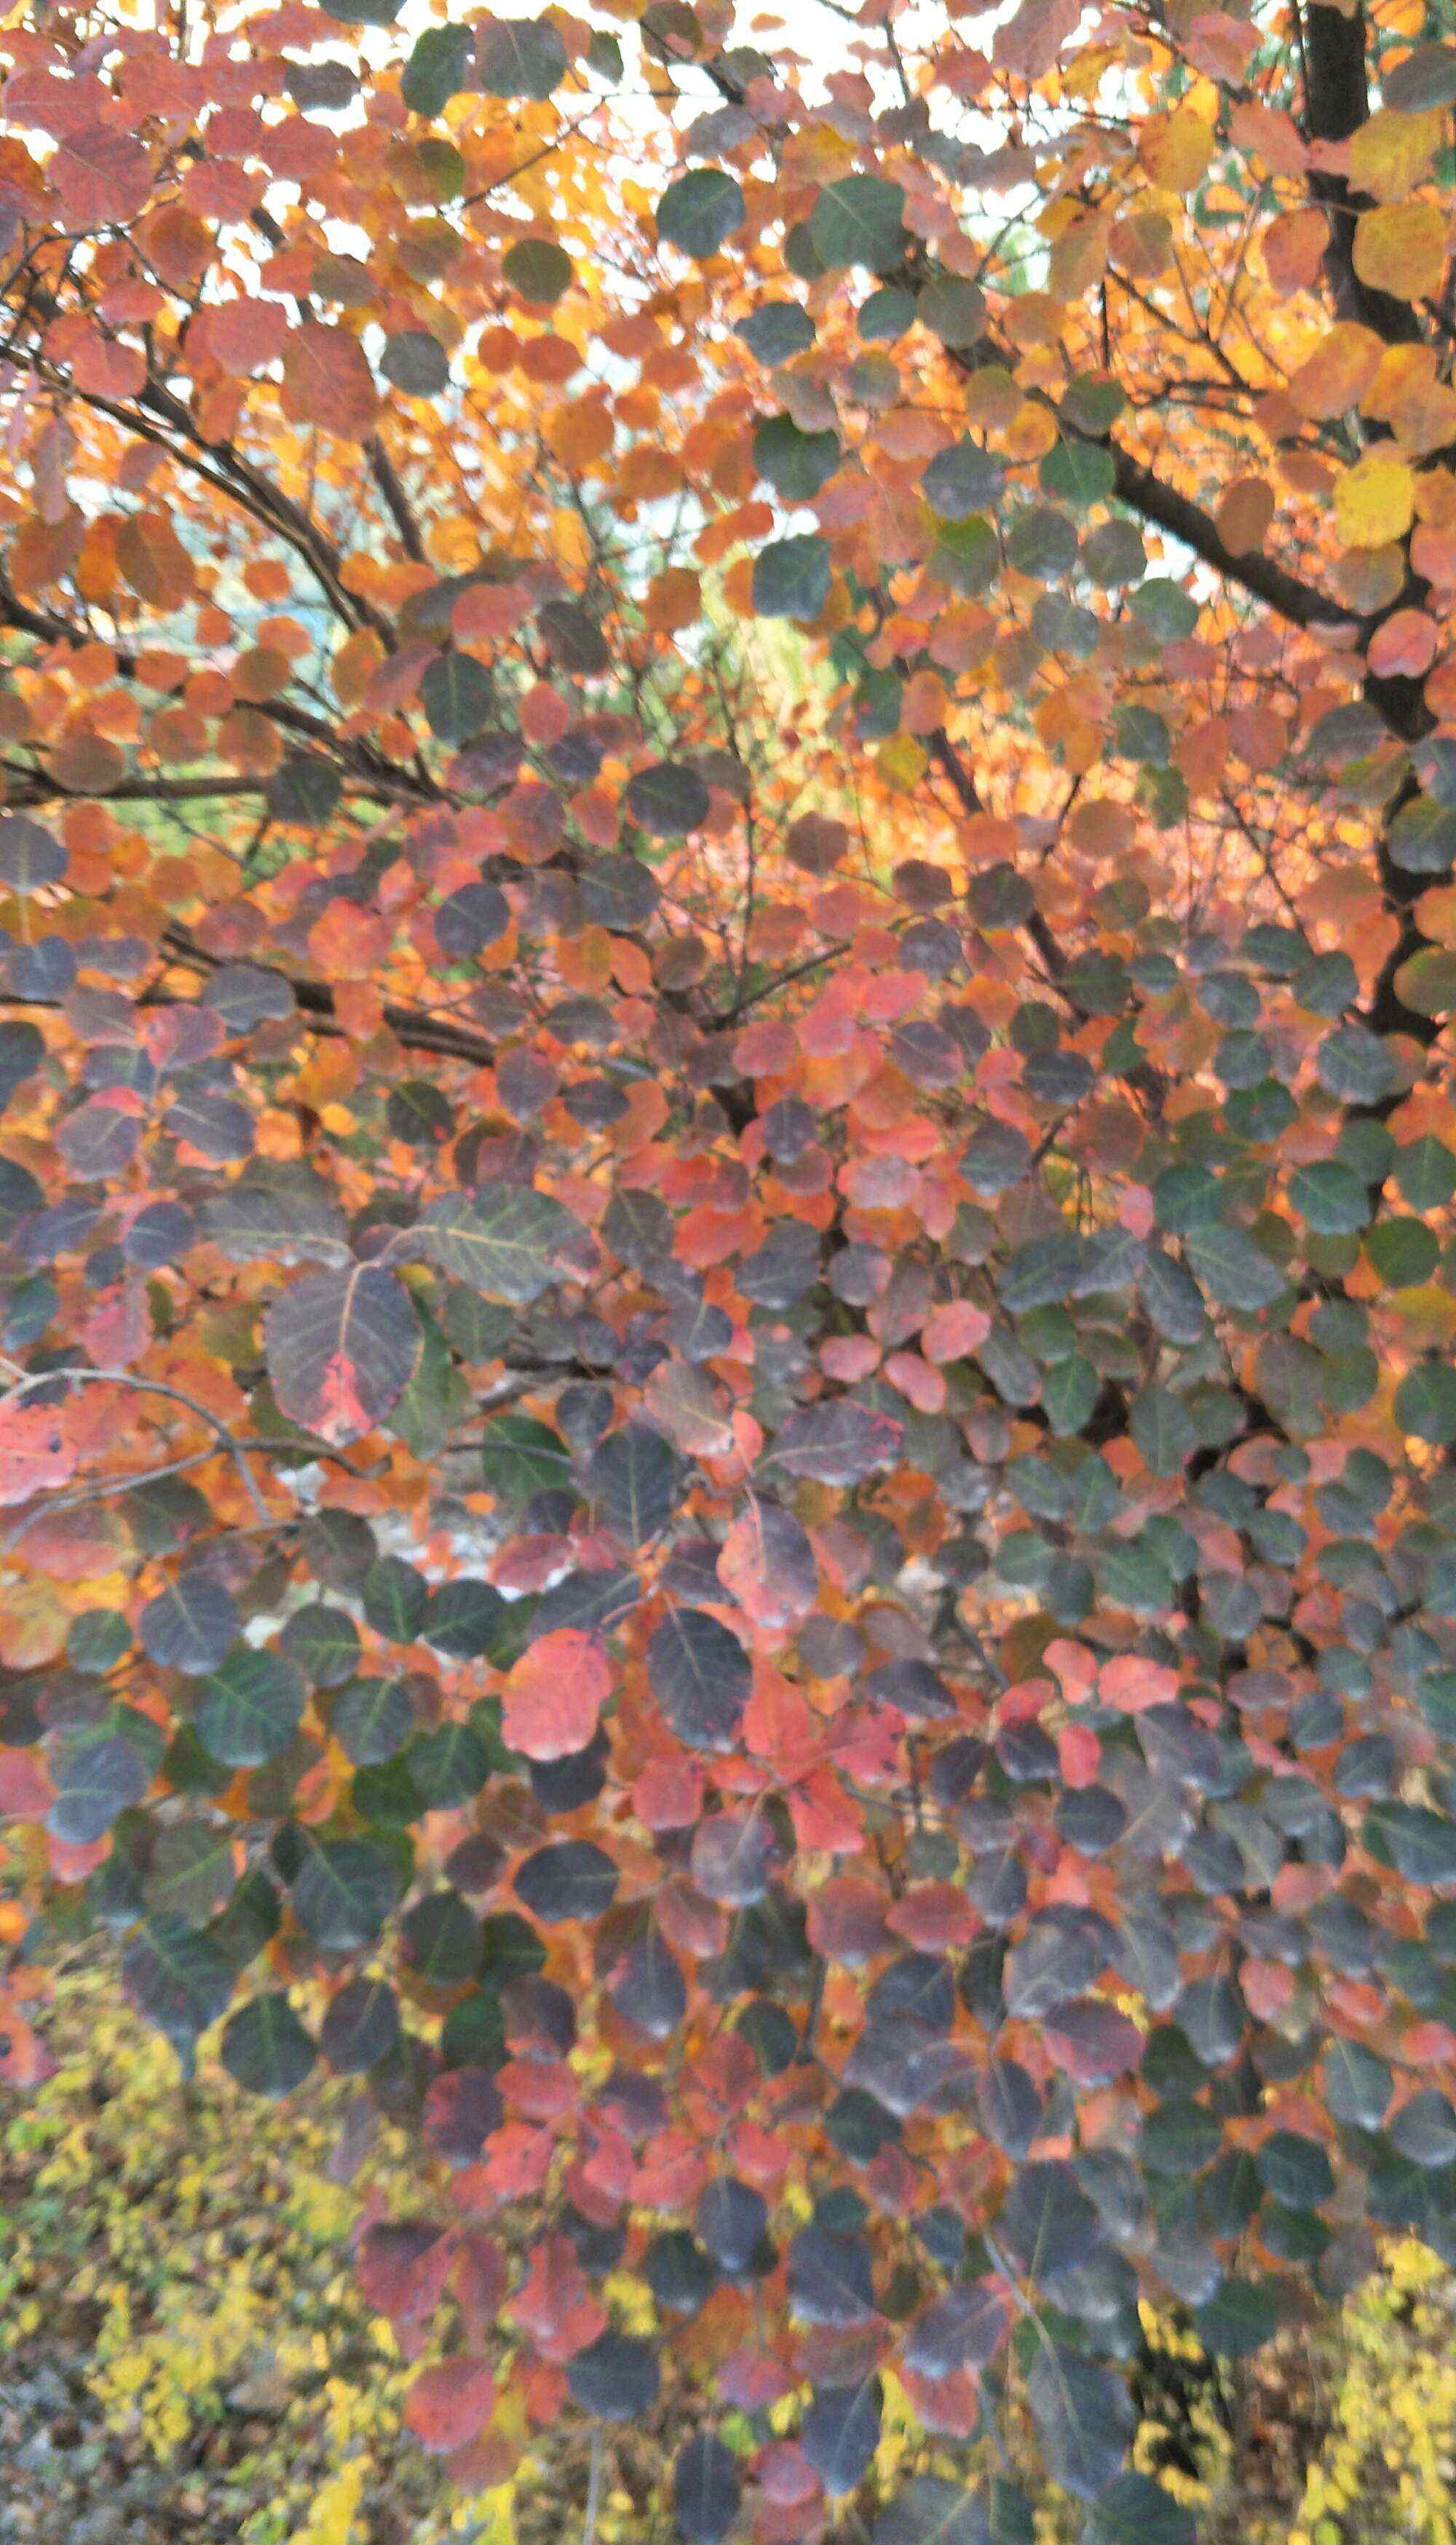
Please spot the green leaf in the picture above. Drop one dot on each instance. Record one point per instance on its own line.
(448, 1767)
(952, 309)
(1331, 1197)
(795, 464)
(1414, 1842)
(1162, 1429)
(1080, 473)
(1136, 2511)
(966, 555)
(519, 57)
(265, 2046)
(1404, 1252)
(178, 1979)
(700, 210)
(343, 1892)
(519, 1457)
(1231, 1269)
(1294, 2170)
(324, 1642)
(191, 1873)
(437, 70)
(930, 2510)
(776, 331)
(464, 1618)
(1240, 2317)
(1425, 1174)
(31, 857)
(538, 270)
(791, 577)
(250, 1707)
(435, 1399)
(97, 1775)
(1092, 404)
(1425, 1403)
(1084, 2418)
(457, 695)
(1042, 542)
(395, 1598)
(371, 1719)
(415, 361)
(860, 220)
(442, 1939)
(303, 790)
(503, 1240)
(636, 1482)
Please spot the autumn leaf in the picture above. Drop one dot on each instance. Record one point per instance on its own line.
(727, 1181)
(555, 1696)
(1401, 248)
(37, 1452)
(449, 2405)
(327, 382)
(341, 1348)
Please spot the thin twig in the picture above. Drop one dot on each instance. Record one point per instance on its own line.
(82, 1377)
(594, 2490)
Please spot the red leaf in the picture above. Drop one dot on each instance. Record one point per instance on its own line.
(555, 2304)
(448, 2405)
(403, 2266)
(479, 2282)
(26, 1790)
(555, 1696)
(242, 335)
(101, 175)
(35, 1451)
(1133, 1684)
(327, 382)
(954, 1331)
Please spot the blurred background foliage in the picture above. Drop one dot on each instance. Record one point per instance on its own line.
(184, 2351)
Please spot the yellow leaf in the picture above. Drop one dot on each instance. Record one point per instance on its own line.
(1401, 248)
(32, 1625)
(1374, 501)
(1391, 153)
(1176, 149)
(1427, 1313)
(901, 759)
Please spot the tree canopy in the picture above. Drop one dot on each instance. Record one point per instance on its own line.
(727, 1269)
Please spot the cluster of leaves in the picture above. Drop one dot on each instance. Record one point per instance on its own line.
(726, 1247)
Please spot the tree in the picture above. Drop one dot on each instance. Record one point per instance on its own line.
(726, 1184)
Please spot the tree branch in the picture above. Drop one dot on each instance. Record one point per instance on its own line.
(1336, 101)
(386, 478)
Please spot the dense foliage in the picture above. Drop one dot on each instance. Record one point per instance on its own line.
(184, 2348)
(726, 1184)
